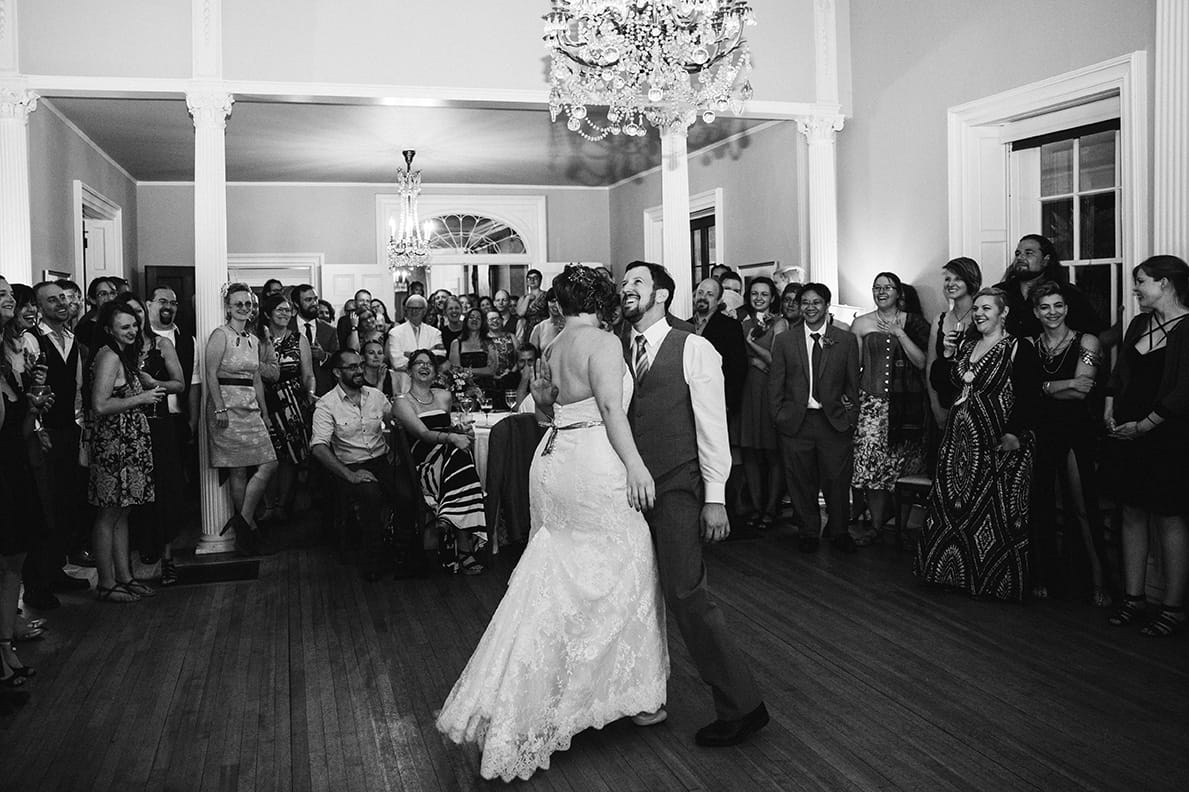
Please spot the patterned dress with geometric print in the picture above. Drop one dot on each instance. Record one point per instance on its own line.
(976, 526)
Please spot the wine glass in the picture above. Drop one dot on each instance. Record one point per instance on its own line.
(485, 406)
(468, 404)
(510, 399)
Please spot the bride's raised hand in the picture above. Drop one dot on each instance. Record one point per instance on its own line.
(641, 488)
(541, 385)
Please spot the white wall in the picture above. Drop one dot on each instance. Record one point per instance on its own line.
(912, 61)
(468, 44)
(339, 221)
(58, 156)
(758, 174)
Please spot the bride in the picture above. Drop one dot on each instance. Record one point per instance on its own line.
(578, 640)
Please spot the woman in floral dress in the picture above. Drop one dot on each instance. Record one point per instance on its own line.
(288, 400)
(121, 450)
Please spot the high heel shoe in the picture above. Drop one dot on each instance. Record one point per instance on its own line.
(169, 572)
(19, 670)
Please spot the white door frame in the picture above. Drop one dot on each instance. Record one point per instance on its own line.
(91, 204)
(971, 169)
(653, 225)
(309, 263)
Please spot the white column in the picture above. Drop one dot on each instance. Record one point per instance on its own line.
(1170, 224)
(210, 111)
(16, 248)
(823, 198)
(675, 216)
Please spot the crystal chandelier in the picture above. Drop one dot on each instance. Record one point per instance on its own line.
(407, 245)
(661, 61)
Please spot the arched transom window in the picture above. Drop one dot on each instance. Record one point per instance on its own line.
(473, 234)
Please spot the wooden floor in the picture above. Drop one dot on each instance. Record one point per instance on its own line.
(310, 679)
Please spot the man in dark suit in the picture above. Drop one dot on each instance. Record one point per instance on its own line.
(814, 393)
(725, 335)
(322, 338)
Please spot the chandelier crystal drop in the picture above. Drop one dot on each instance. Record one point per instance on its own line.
(664, 62)
(407, 244)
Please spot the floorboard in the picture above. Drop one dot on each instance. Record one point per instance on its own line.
(310, 679)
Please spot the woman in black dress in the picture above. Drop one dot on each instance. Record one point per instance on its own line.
(1067, 437)
(1147, 415)
(20, 508)
(962, 279)
(376, 373)
(473, 351)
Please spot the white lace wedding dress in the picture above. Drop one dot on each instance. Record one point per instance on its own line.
(578, 640)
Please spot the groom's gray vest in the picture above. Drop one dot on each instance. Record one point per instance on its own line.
(661, 413)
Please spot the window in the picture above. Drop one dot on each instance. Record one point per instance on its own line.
(470, 234)
(702, 245)
(1069, 186)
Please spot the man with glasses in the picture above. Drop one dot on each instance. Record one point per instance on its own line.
(407, 337)
(184, 407)
(348, 439)
(813, 387)
(101, 291)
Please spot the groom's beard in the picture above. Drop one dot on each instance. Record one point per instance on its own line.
(636, 312)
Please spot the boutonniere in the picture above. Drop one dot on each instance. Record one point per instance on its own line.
(828, 342)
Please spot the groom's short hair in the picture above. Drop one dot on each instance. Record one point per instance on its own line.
(661, 279)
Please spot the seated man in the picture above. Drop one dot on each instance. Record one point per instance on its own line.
(348, 439)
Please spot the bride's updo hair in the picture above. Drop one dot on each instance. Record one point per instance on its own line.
(582, 289)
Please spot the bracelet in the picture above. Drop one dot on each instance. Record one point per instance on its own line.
(1047, 387)
(220, 412)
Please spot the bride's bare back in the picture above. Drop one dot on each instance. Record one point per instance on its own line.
(586, 361)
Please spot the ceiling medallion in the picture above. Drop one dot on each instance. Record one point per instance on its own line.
(664, 62)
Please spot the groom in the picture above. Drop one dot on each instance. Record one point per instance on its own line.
(678, 417)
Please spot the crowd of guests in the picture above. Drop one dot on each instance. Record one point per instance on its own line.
(1007, 401)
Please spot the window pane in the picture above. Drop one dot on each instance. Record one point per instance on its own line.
(1056, 168)
(1097, 161)
(1098, 226)
(1056, 222)
(1094, 281)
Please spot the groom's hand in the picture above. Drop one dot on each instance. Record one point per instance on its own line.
(715, 525)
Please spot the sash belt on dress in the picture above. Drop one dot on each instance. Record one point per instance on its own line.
(235, 381)
(554, 429)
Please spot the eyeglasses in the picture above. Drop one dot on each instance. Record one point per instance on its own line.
(241, 305)
(882, 289)
(351, 367)
(282, 310)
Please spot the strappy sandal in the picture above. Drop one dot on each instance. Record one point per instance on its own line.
(169, 572)
(118, 593)
(1168, 622)
(468, 565)
(1102, 598)
(1129, 611)
(21, 670)
(139, 588)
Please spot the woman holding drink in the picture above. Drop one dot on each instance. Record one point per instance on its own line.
(962, 279)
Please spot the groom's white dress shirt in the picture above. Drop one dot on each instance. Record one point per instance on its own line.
(702, 366)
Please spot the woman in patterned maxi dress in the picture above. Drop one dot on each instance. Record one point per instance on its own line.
(976, 528)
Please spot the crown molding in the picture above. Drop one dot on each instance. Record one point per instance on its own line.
(48, 105)
(387, 185)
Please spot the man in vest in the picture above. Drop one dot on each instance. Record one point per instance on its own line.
(65, 522)
(679, 419)
(184, 407)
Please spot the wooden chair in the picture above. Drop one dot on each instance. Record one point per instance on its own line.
(909, 491)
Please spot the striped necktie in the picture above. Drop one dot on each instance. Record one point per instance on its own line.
(641, 357)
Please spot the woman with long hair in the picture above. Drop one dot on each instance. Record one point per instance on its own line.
(156, 526)
(449, 481)
(757, 435)
(237, 416)
(889, 438)
(376, 373)
(976, 529)
(121, 449)
(23, 516)
(288, 400)
(472, 351)
(1147, 415)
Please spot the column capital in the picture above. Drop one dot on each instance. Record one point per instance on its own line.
(209, 109)
(820, 128)
(17, 104)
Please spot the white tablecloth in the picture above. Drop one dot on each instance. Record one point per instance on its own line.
(482, 426)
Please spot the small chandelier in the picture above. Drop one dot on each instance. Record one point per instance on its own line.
(407, 245)
(661, 61)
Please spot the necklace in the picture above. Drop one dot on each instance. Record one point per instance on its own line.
(1050, 363)
(423, 403)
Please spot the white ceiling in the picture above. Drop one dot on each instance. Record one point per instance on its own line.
(153, 139)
